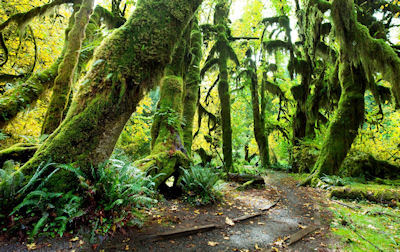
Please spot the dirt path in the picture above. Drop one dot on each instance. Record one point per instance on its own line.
(298, 208)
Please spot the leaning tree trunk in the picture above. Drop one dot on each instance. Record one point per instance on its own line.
(128, 63)
(192, 85)
(27, 93)
(344, 127)
(62, 84)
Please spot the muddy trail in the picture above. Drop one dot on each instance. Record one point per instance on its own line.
(290, 218)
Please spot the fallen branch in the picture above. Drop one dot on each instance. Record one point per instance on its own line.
(343, 204)
(250, 216)
(300, 234)
(365, 239)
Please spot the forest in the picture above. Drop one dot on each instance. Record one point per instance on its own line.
(200, 125)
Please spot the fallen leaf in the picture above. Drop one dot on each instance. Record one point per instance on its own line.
(261, 223)
(226, 238)
(31, 246)
(229, 221)
(76, 238)
(212, 244)
(127, 247)
(302, 227)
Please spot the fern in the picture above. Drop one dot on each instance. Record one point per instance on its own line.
(201, 185)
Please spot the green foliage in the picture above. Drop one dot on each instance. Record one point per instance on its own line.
(51, 212)
(201, 185)
(171, 116)
(111, 197)
(116, 185)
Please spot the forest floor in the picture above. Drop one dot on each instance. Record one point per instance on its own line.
(301, 213)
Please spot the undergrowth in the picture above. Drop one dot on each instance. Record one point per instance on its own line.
(201, 185)
(111, 197)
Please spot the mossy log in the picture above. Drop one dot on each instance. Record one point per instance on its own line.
(127, 64)
(21, 152)
(385, 196)
(243, 178)
(63, 82)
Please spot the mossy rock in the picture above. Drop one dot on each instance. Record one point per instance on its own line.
(361, 164)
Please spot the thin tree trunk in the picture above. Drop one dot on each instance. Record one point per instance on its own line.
(220, 19)
(62, 84)
(192, 85)
(258, 119)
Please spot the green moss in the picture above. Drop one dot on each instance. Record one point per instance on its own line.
(62, 84)
(19, 152)
(378, 195)
(192, 85)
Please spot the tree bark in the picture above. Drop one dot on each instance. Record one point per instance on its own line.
(62, 84)
(128, 63)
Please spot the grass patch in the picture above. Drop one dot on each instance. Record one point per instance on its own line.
(369, 222)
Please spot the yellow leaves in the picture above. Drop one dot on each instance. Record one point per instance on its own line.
(212, 243)
(31, 246)
(229, 221)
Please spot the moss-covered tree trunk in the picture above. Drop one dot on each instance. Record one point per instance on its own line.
(126, 65)
(258, 118)
(192, 84)
(360, 57)
(27, 92)
(221, 22)
(344, 127)
(168, 152)
(62, 84)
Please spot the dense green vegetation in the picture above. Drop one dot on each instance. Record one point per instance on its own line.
(107, 107)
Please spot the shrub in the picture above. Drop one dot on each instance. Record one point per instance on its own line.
(201, 185)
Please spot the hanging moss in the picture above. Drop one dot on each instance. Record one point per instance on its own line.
(374, 54)
(62, 84)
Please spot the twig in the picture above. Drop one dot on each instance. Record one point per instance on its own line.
(343, 204)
